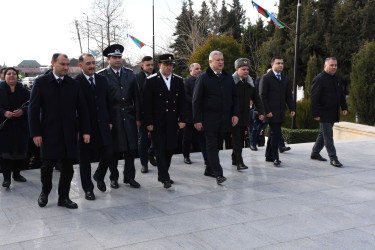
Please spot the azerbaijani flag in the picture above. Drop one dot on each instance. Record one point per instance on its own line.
(265, 13)
(93, 52)
(137, 42)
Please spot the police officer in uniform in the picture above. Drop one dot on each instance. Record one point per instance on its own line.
(164, 113)
(124, 94)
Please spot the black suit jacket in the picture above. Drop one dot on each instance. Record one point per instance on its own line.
(189, 84)
(275, 95)
(53, 111)
(99, 108)
(164, 108)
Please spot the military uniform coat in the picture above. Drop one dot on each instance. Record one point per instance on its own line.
(275, 95)
(164, 108)
(53, 111)
(126, 105)
(100, 110)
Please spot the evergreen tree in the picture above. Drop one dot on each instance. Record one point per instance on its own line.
(313, 69)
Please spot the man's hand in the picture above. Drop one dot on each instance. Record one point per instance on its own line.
(181, 125)
(317, 118)
(138, 124)
(150, 127)
(198, 126)
(8, 114)
(292, 113)
(86, 138)
(234, 120)
(37, 141)
(110, 126)
(17, 113)
(344, 112)
(269, 114)
(261, 117)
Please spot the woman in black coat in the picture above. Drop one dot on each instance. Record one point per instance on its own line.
(14, 132)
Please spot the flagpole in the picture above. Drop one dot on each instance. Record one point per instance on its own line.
(153, 30)
(299, 6)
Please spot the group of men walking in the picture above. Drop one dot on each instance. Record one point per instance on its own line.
(114, 112)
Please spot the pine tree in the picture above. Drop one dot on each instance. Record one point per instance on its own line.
(313, 69)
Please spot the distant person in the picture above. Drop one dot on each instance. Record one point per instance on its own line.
(56, 102)
(96, 92)
(327, 97)
(145, 150)
(215, 109)
(275, 93)
(164, 114)
(2, 73)
(246, 92)
(14, 132)
(124, 93)
(189, 132)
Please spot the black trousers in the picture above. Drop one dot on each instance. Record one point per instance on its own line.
(274, 134)
(66, 176)
(238, 137)
(9, 166)
(88, 155)
(163, 159)
(190, 135)
(213, 141)
(129, 168)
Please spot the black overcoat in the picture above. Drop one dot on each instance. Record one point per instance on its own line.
(53, 112)
(275, 95)
(215, 101)
(327, 97)
(100, 110)
(189, 84)
(14, 135)
(126, 105)
(163, 109)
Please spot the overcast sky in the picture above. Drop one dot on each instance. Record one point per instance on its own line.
(35, 29)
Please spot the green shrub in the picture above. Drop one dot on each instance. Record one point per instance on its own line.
(304, 117)
(299, 135)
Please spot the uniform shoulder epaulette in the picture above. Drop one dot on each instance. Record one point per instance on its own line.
(178, 76)
(128, 68)
(151, 76)
(101, 72)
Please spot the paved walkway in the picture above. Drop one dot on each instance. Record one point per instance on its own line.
(305, 204)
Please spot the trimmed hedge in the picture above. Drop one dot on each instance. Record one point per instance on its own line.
(292, 136)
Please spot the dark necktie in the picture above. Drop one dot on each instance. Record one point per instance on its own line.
(118, 73)
(166, 78)
(92, 82)
(278, 77)
(59, 80)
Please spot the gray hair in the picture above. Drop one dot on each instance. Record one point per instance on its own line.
(191, 66)
(330, 58)
(213, 53)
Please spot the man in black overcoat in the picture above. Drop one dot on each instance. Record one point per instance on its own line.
(275, 93)
(56, 101)
(164, 114)
(215, 109)
(144, 145)
(95, 90)
(327, 97)
(125, 99)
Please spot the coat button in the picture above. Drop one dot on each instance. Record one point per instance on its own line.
(122, 109)
(121, 87)
(123, 98)
(160, 94)
(124, 119)
(176, 94)
(174, 110)
(174, 101)
(166, 101)
(166, 110)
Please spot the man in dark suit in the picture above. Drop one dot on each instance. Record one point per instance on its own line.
(327, 97)
(215, 109)
(55, 101)
(144, 146)
(125, 99)
(164, 113)
(275, 93)
(189, 133)
(95, 90)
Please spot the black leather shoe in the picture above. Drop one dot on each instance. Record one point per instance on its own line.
(100, 184)
(336, 163)
(114, 184)
(269, 159)
(170, 180)
(19, 178)
(317, 157)
(132, 183)
(209, 173)
(187, 160)
(67, 203)
(242, 167)
(284, 149)
(144, 169)
(277, 163)
(254, 148)
(220, 179)
(152, 160)
(167, 184)
(90, 196)
(6, 183)
(42, 200)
